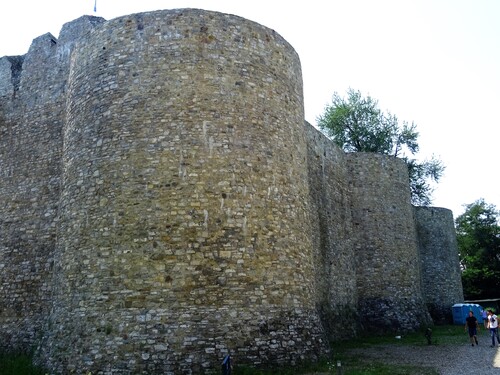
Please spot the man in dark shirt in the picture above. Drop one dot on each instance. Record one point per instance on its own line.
(472, 325)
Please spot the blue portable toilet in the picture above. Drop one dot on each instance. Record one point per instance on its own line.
(461, 312)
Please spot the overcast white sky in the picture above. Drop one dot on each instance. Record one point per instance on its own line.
(434, 62)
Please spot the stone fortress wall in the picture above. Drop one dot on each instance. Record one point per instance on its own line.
(165, 203)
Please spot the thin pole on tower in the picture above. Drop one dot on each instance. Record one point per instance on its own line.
(95, 6)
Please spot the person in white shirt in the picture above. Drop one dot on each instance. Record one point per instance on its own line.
(493, 327)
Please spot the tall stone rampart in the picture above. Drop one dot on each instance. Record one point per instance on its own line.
(337, 296)
(165, 204)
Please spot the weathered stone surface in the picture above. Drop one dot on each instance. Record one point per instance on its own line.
(10, 71)
(441, 280)
(165, 204)
(387, 261)
(334, 256)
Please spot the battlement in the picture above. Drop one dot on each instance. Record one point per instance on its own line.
(165, 203)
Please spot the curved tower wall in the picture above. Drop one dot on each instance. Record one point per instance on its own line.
(184, 215)
(440, 264)
(385, 243)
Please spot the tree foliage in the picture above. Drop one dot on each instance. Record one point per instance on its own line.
(478, 238)
(356, 124)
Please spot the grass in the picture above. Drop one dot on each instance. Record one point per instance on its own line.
(324, 368)
(353, 365)
(307, 368)
(20, 364)
(381, 369)
(448, 334)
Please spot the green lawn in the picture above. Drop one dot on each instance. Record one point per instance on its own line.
(351, 365)
(18, 364)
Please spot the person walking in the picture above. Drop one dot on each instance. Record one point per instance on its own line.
(472, 326)
(493, 327)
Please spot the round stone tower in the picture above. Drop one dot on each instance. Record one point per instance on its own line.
(441, 274)
(183, 216)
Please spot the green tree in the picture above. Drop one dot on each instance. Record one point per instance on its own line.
(478, 238)
(356, 124)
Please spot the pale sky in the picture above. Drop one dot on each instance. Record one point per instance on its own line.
(433, 62)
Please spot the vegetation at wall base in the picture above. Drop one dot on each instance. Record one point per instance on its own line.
(353, 365)
(18, 364)
(441, 335)
(381, 369)
(305, 368)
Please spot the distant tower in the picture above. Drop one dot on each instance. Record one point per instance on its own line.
(441, 275)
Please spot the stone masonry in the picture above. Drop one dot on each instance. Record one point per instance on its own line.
(437, 245)
(165, 203)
